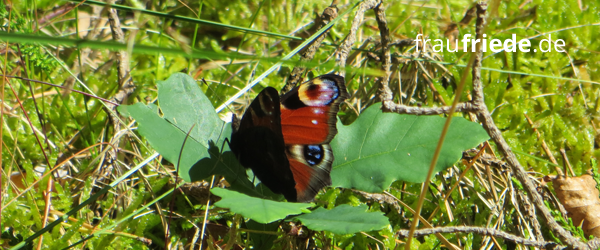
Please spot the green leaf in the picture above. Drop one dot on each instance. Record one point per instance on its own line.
(260, 210)
(379, 148)
(164, 137)
(344, 219)
(183, 105)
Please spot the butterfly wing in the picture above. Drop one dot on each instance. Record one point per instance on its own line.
(308, 119)
(258, 143)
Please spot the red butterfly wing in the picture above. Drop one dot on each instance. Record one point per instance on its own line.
(258, 144)
(308, 118)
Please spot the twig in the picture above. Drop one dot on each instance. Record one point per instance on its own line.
(476, 71)
(486, 159)
(55, 13)
(126, 87)
(384, 31)
(481, 231)
(390, 106)
(342, 52)
(567, 164)
(483, 115)
(110, 159)
(544, 145)
(205, 219)
(594, 243)
(48, 204)
(329, 14)
(530, 214)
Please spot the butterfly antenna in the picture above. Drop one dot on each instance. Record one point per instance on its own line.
(172, 202)
(226, 141)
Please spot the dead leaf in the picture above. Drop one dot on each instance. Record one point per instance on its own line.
(579, 195)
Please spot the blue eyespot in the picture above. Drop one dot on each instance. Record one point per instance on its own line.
(313, 154)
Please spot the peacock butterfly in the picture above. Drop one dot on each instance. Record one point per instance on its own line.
(285, 141)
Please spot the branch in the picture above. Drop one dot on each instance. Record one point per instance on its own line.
(342, 52)
(480, 231)
(126, 86)
(483, 115)
(390, 106)
(384, 31)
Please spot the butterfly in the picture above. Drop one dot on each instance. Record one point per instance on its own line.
(285, 140)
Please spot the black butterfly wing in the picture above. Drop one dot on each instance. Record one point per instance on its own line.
(258, 144)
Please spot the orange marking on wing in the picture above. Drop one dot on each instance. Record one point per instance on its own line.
(302, 175)
(317, 91)
(308, 125)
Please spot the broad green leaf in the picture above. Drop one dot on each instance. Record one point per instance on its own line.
(183, 105)
(344, 219)
(260, 210)
(164, 137)
(379, 148)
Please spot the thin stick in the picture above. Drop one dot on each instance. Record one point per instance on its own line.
(2, 87)
(341, 54)
(48, 201)
(544, 145)
(481, 231)
(206, 212)
(566, 163)
(403, 109)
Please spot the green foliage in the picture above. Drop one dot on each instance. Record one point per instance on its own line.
(369, 151)
(375, 160)
(344, 219)
(167, 134)
(201, 157)
(259, 210)
(558, 91)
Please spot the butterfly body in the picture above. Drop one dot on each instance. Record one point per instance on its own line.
(285, 141)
